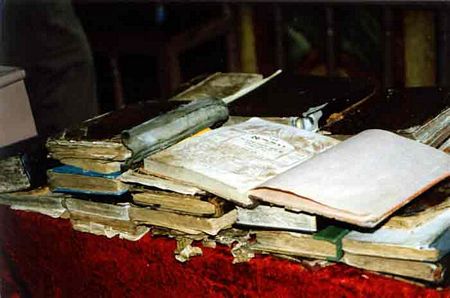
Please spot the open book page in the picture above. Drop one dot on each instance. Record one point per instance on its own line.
(362, 180)
(239, 157)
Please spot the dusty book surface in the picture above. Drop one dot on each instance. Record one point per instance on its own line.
(223, 86)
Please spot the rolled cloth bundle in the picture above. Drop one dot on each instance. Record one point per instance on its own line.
(170, 128)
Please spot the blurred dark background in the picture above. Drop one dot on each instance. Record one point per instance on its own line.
(144, 51)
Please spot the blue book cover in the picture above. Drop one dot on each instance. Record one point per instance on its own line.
(78, 171)
(71, 170)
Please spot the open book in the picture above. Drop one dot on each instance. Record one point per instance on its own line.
(361, 180)
(231, 160)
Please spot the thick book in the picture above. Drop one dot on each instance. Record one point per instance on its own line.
(40, 200)
(123, 137)
(184, 223)
(141, 177)
(196, 205)
(362, 180)
(424, 236)
(103, 219)
(272, 217)
(325, 244)
(434, 272)
(231, 160)
(71, 179)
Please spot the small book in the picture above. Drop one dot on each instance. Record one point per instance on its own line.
(71, 179)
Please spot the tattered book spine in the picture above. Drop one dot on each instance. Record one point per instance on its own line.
(165, 130)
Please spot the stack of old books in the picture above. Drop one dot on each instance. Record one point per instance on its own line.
(376, 200)
(301, 193)
(94, 154)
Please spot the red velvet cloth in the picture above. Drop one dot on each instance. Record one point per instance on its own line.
(45, 257)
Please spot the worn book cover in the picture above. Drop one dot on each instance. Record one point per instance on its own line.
(40, 200)
(185, 223)
(71, 179)
(141, 177)
(435, 272)
(325, 244)
(128, 135)
(219, 85)
(206, 205)
(13, 174)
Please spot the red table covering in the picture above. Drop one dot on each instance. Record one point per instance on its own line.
(45, 257)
